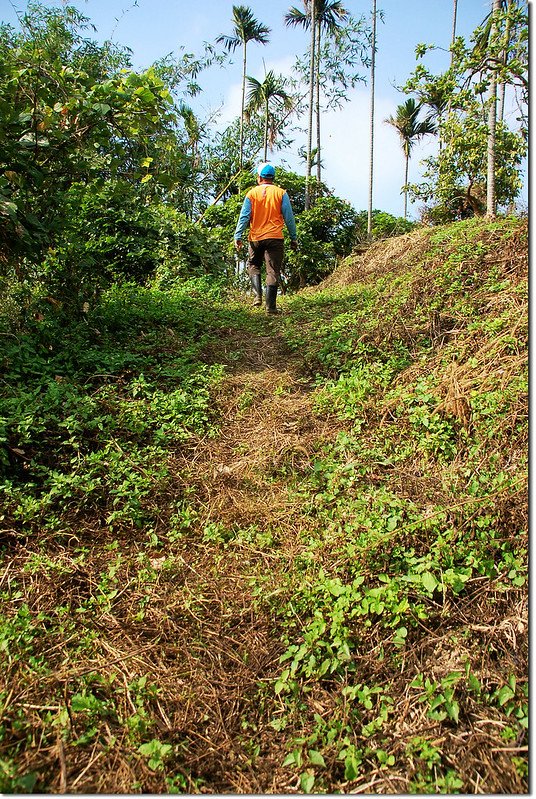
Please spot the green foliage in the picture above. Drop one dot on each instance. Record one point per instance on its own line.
(156, 752)
(454, 185)
(112, 232)
(85, 115)
(383, 225)
(454, 179)
(221, 220)
(326, 233)
(109, 446)
(294, 185)
(401, 506)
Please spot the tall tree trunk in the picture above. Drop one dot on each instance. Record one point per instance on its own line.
(266, 132)
(312, 11)
(318, 165)
(492, 124)
(372, 80)
(241, 158)
(454, 16)
(405, 186)
(440, 131)
(502, 87)
(449, 104)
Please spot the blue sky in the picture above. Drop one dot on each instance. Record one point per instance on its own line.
(154, 28)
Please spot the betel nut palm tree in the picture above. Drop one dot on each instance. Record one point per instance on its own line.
(492, 29)
(410, 129)
(263, 97)
(246, 29)
(371, 120)
(492, 56)
(327, 17)
(294, 18)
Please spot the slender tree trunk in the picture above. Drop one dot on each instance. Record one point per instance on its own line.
(502, 88)
(449, 104)
(372, 80)
(241, 158)
(312, 11)
(454, 16)
(266, 132)
(492, 125)
(440, 131)
(406, 176)
(318, 165)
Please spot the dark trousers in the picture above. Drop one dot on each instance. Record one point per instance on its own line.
(270, 251)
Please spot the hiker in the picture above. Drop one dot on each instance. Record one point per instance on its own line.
(266, 208)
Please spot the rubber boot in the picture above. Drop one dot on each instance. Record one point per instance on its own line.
(271, 294)
(257, 288)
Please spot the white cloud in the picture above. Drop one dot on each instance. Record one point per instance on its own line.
(346, 148)
(231, 104)
(346, 155)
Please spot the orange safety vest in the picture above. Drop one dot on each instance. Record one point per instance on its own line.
(266, 216)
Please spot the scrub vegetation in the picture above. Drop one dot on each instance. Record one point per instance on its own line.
(252, 555)
(239, 553)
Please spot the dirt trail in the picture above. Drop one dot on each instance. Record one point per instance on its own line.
(183, 640)
(240, 488)
(268, 424)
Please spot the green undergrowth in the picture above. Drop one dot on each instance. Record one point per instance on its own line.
(396, 609)
(91, 410)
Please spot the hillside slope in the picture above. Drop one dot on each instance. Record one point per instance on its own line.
(245, 554)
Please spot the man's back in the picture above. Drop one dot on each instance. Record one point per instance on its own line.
(266, 212)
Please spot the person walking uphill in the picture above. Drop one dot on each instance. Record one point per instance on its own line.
(266, 209)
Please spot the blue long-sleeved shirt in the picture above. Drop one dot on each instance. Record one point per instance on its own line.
(266, 208)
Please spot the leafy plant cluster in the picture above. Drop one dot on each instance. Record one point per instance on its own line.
(91, 409)
(469, 103)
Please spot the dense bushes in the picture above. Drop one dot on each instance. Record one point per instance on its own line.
(77, 395)
(384, 225)
(326, 232)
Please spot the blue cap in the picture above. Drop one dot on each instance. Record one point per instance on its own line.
(266, 170)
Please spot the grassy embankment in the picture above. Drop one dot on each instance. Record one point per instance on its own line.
(254, 555)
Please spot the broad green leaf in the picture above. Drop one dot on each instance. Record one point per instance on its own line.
(294, 758)
(429, 581)
(504, 695)
(392, 523)
(316, 758)
(335, 587)
(437, 701)
(307, 781)
(453, 710)
(102, 108)
(351, 768)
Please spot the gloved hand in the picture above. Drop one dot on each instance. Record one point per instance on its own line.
(294, 245)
